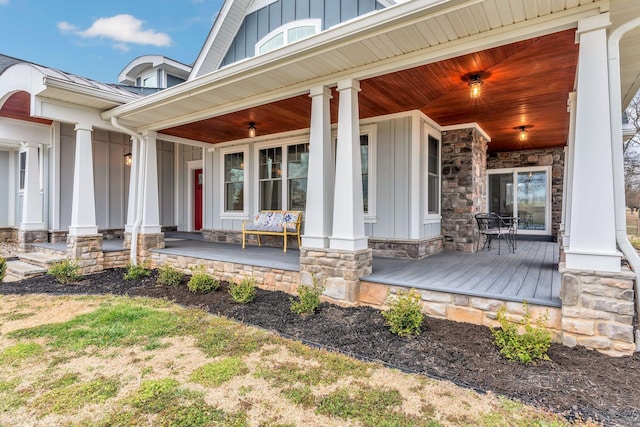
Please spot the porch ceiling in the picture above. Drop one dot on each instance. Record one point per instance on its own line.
(527, 83)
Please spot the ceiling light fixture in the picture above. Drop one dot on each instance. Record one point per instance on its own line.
(523, 134)
(128, 159)
(475, 86)
(252, 130)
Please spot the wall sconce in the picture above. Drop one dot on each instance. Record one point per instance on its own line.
(523, 134)
(128, 159)
(475, 86)
(252, 130)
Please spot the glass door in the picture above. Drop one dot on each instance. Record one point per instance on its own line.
(522, 193)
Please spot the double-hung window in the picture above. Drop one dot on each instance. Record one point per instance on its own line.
(433, 176)
(23, 169)
(234, 179)
(282, 177)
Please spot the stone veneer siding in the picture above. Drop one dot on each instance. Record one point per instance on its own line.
(338, 271)
(86, 251)
(8, 234)
(26, 237)
(116, 259)
(266, 278)
(462, 308)
(598, 310)
(553, 157)
(146, 242)
(464, 192)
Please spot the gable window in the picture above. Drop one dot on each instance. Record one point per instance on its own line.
(150, 81)
(234, 181)
(287, 34)
(282, 177)
(433, 176)
(23, 169)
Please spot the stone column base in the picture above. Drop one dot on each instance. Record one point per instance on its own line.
(27, 237)
(146, 242)
(86, 251)
(338, 271)
(598, 309)
(8, 234)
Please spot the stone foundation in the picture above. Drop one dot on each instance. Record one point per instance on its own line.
(412, 249)
(86, 251)
(26, 237)
(462, 308)
(146, 242)
(337, 270)
(8, 234)
(598, 310)
(116, 259)
(266, 278)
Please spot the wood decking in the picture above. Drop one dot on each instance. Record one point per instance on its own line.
(531, 273)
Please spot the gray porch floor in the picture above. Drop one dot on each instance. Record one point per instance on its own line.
(531, 273)
(111, 245)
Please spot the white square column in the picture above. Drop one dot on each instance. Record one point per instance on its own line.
(32, 196)
(149, 174)
(132, 201)
(319, 208)
(592, 244)
(83, 207)
(348, 215)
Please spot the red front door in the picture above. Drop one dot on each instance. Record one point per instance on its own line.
(197, 207)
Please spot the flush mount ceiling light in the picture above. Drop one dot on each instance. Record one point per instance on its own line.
(523, 134)
(128, 159)
(252, 130)
(474, 81)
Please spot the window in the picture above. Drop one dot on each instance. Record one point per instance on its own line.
(270, 178)
(23, 169)
(287, 34)
(150, 81)
(433, 176)
(234, 197)
(234, 182)
(364, 159)
(297, 170)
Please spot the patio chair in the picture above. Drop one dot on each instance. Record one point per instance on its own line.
(492, 226)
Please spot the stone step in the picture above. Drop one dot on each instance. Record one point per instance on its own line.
(24, 270)
(41, 259)
(48, 250)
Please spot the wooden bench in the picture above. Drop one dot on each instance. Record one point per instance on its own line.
(273, 223)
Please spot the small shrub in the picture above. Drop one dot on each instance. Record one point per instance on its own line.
(169, 276)
(3, 268)
(404, 316)
(136, 271)
(308, 298)
(527, 347)
(201, 281)
(65, 271)
(243, 292)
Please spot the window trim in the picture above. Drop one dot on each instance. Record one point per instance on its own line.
(430, 217)
(549, 208)
(22, 181)
(284, 29)
(244, 214)
(284, 144)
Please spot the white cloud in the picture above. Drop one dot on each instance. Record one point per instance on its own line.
(123, 29)
(4, 2)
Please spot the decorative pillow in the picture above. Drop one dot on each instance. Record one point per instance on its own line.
(267, 220)
(291, 218)
(277, 219)
(260, 219)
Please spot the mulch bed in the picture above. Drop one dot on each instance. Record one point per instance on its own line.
(577, 382)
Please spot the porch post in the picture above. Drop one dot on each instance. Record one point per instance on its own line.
(133, 186)
(319, 210)
(568, 173)
(348, 218)
(150, 202)
(593, 244)
(83, 205)
(31, 198)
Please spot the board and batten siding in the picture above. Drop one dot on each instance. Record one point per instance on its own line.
(4, 191)
(185, 154)
(392, 180)
(258, 24)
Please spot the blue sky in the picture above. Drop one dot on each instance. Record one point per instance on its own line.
(97, 39)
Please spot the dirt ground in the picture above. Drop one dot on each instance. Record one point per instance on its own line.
(577, 383)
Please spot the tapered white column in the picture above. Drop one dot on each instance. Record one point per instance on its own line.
(592, 223)
(31, 198)
(348, 214)
(568, 172)
(132, 201)
(150, 200)
(319, 208)
(83, 207)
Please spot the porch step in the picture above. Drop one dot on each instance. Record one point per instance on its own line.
(48, 248)
(24, 270)
(41, 259)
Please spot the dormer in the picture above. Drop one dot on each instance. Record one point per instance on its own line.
(153, 72)
(249, 28)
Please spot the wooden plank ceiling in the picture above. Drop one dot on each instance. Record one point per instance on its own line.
(18, 106)
(527, 84)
